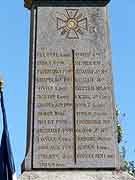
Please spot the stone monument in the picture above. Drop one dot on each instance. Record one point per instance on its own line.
(71, 111)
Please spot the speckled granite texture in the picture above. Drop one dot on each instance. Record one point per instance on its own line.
(75, 175)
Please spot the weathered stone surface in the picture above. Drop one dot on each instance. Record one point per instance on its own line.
(75, 175)
(71, 104)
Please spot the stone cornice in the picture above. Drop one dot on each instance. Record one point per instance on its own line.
(72, 3)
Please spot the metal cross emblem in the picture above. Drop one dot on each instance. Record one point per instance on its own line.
(73, 24)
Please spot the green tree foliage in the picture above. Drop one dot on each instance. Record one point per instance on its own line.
(119, 128)
(128, 166)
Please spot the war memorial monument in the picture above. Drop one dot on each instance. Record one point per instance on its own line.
(71, 129)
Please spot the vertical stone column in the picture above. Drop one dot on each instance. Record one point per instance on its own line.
(71, 114)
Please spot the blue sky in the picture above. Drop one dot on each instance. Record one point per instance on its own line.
(14, 53)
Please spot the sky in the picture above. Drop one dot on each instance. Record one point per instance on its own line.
(14, 56)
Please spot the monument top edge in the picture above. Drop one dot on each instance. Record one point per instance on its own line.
(61, 3)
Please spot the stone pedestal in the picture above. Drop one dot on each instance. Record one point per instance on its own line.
(71, 110)
(75, 175)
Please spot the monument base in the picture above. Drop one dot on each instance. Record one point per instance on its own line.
(75, 175)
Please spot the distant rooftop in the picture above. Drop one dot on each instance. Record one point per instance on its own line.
(62, 3)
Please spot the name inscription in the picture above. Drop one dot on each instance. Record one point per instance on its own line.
(54, 136)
